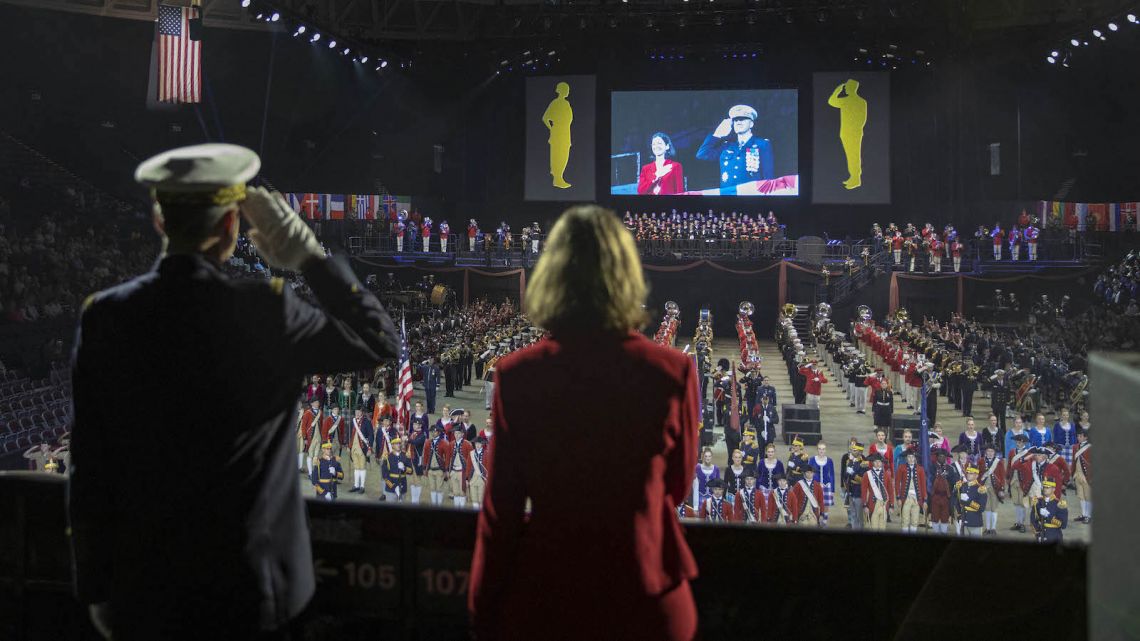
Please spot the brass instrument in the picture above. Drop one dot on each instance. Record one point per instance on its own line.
(746, 308)
(823, 311)
(863, 313)
(672, 308)
(789, 310)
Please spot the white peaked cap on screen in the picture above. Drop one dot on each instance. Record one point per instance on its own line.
(742, 111)
(215, 173)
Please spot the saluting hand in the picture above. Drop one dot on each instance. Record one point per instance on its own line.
(723, 129)
(278, 233)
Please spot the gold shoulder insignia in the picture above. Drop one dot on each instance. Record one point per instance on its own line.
(277, 284)
(87, 302)
(1063, 504)
(981, 489)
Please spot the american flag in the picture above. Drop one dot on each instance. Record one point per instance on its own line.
(404, 394)
(179, 56)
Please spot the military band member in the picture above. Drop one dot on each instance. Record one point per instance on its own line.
(972, 498)
(1082, 475)
(750, 450)
(1000, 395)
(1050, 514)
(714, 508)
(310, 435)
(444, 233)
(327, 473)
(359, 450)
(472, 232)
(425, 233)
(457, 456)
(878, 493)
(1019, 479)
(797, 461)
(884, 404)
(943, 479)
(395, 469)
(824, 473)
(416, 442)
(956, 248)
(435, 463)
(814, 380)
(779, 503)
(910, 489)
(1055, 459)
(401, 229)
(332, 429)
(750, 506)
(477, 473)
(39, 456)
(807, 500)
(767, 417)
(992, 476)
(852, 469)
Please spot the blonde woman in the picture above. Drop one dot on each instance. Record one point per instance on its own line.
(609, 542)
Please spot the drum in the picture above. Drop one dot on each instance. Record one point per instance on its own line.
(439, 295)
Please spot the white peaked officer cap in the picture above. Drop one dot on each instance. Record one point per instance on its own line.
(199, 175)
(742, 111)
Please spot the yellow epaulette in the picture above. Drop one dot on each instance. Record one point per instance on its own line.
(277, 285)
(981, 489)
(1063, 504)
(87, 302)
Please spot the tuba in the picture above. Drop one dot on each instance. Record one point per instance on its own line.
(863, 313)
(746, 308)
(789, 310)
(823, 311)
(672, 308)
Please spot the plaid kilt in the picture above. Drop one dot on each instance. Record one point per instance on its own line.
(828, 495)
(1067, 454)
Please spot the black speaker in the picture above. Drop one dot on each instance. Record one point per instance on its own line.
(900, 423)
(807, 430)
(800, 412)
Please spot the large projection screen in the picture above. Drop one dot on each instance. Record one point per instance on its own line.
(560, 147)
(704, 143)
(851, 138)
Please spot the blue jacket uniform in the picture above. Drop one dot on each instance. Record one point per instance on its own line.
(766, 430)
(326, 475)
(396, 476)
(971, 499)
(764, 478)
(1050, 524)
(769, 391)
(738, 163)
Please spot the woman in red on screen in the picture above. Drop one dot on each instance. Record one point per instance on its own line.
(664, 175)
(601, 554)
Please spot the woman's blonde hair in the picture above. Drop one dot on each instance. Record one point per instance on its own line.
(589, 275)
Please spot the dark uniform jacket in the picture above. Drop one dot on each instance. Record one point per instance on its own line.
(210, 537)
(739, 163)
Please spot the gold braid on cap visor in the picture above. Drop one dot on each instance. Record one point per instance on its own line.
(223, 196)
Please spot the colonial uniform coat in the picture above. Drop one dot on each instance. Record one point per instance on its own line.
(750, 506)
(716, 510)
(476, 474)
(1082, 471)
(878, 496)
(807, 502)
(910, 488)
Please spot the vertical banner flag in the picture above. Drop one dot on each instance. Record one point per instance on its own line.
(311, 207)
(363, 207)
(404, 395)
(179, 55)
(334, 209)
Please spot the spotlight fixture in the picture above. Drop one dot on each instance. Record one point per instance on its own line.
(244, 4)
(259, 16)
(1132, 18)
(364, 60)
(275, 17)
(383, 64)
(332, 44)
(503, 63)
(1054, 53)
(1097, 33)
(345, 52)
(316, 37)
(300, 30)
(1075, 42)
(1112, 26)
(1051, 59)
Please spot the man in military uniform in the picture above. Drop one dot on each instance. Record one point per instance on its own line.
(750, 506)
(327, 473)
(1019, 478)
(807, 500)
(189, 570)
(911, 492)
(1050, 514)
(477, 472)
(740, 156)
(971, 497)
(991, 476)
(457, 457)
(1000, 396)
(359, 449)
(310, 430)
(715, 509)
(435, 464)
(1082, 474)
(797, 461)
(943, 479)
(878, 493)
(395, 470)
(852, 468)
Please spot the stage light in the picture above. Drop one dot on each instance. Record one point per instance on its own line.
(718, 20)
(316, 37)
(552, 53)
(1054, 53)
(1051, 59)
(244, 4)
(1132, 18)
(1075, 42)
(1112, 26)
(364, 60)
(383, 64)
(300, 30)
(275, 17)
(1096, 33)
(332, 44)
(345, 52)
(259, 16)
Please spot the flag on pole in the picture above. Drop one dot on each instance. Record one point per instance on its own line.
(311, 206)
(334, 208)
(734, 415)
(179, 55)
(363, 207)
(404, 393)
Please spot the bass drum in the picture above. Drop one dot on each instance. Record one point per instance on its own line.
(440, 295)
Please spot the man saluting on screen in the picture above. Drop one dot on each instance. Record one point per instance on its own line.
(742, 157)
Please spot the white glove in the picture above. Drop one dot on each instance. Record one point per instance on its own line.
(278, 233)
(964, 497)
(1043, 512)
(401, 466)
(723, 129)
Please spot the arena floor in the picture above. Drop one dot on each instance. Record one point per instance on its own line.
(839, 423)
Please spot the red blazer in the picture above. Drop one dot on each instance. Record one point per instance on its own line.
(799, 501)
(671, 183)
(814, 380)
(1083, 461)
(607, 540)
(759, 507)
(447, 449)
(726, 510)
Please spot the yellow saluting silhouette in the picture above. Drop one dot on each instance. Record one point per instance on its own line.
(557, 118)
(852, 118)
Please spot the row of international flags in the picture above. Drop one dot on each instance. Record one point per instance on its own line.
(347, 206)
(1089, 216)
